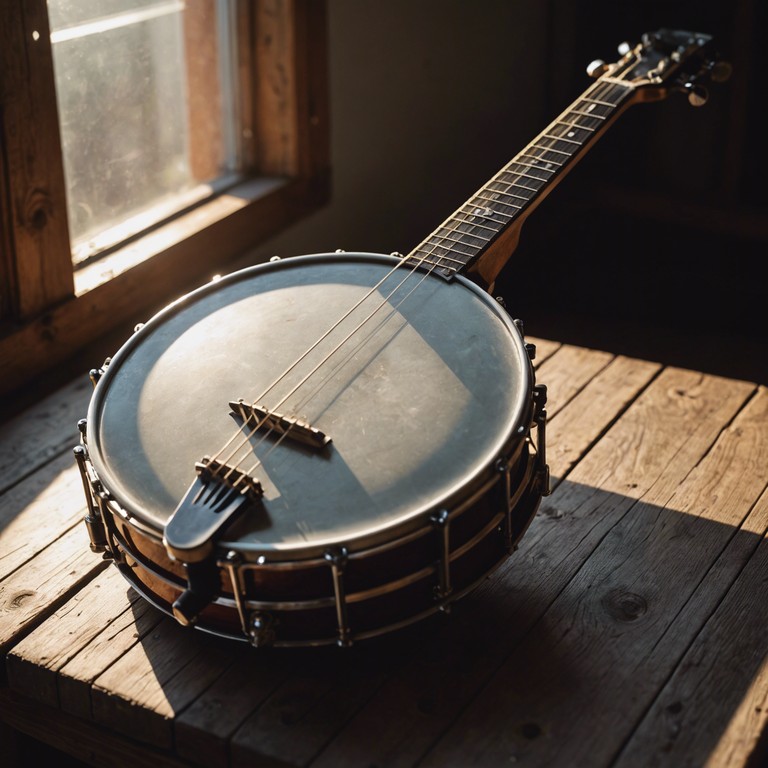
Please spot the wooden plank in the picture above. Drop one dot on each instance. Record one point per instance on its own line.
(714, 709)
(155, 679)
(33, 664)
(294, 724)
(451, 663)
(38, 511)
(591, 412)
(544, 349)
(121, 632)
(31, 594)
(567, 371)
(42, 432)
(203, 730)
(625, 599)
(85, 741)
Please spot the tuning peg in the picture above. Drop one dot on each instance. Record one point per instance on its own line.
(720, 71)
(596, 68)
(697, 94)
(624, 48)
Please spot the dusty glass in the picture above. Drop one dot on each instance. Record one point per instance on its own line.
(147, 111)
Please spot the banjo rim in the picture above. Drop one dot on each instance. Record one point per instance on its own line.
(385, 533)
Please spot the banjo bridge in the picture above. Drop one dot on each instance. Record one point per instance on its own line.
(272, 421)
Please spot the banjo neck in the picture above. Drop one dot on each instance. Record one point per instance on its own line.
(480, 236)
(472, 238)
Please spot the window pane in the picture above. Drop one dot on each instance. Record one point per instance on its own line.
(146, 110)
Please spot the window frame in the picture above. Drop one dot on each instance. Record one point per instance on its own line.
(49, 311)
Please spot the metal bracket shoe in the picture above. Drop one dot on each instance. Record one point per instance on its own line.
(540, 420)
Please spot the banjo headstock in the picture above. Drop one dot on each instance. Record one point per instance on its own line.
(665, 62)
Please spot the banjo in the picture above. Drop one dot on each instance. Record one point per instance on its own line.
(355, 440)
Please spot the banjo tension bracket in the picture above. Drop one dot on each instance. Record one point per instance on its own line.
(94, 522)
(540, 420)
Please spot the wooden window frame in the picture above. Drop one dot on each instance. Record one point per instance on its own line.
(48, 311)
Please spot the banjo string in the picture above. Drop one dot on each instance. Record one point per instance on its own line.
(312, 394)
(248, 435)
(455, 228)
(330, 330)
(455, 224)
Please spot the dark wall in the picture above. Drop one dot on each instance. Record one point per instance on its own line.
(428, 100)
(652, 246)
(655, 244)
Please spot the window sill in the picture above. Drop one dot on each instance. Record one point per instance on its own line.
(134, 282)
(179, 230)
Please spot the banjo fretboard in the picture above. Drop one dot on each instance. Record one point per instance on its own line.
(518, 187)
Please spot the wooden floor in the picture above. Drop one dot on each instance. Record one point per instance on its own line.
(629, 629)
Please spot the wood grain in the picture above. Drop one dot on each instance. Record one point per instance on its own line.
(714, 709)
(275, 102)
(32, 593)
(155, 679)
(592, 411)
(42, 432)
(128, 619)
(33, 663)
(623, 600)
(290, 95)
(454, 662)
(204, 729)
(566, 372)
(38, 511)
(545, 348)
(81, 739)
(42, 264)
(294, 724)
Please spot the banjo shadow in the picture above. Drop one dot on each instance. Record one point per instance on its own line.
(605, 594)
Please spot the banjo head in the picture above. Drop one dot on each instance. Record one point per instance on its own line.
(420, 384)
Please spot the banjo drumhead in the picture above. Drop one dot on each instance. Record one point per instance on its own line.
(420, 389)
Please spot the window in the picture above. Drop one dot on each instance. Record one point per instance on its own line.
(203, 130)
(148, 111)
